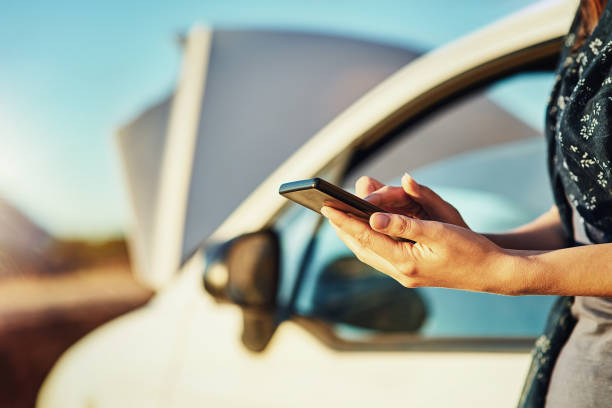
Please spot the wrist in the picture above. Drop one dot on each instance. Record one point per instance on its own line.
(515, 270)
(524, 274)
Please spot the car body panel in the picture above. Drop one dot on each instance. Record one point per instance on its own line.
(183, 350)
(507, 195)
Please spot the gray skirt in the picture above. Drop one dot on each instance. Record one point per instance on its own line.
(582, 374)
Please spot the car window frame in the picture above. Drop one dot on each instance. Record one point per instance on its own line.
(538, 58)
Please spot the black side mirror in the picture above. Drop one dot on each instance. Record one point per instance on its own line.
(245, 271)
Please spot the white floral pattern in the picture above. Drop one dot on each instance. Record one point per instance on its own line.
(590, 121)
(579, 117)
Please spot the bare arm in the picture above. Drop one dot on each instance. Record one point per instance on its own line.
(446, 255)
(545, 233)
(531, 259)
(578, 271)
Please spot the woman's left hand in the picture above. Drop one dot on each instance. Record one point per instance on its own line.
(443, 255)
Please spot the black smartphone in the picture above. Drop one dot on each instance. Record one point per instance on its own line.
(316, 193)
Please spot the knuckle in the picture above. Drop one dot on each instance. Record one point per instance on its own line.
(436, 229)
(403, 226)
(363, 237)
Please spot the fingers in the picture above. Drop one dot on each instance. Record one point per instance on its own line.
(424, 196)
(395, 200)
(418, 192)
(362, 233)
(436, 206)
(387, 195)
(368, 256)
(397, 225)
(366, 185)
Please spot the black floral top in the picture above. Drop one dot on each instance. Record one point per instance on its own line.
(579, 131)
(579, 136)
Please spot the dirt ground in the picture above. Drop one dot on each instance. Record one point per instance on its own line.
(41, 316)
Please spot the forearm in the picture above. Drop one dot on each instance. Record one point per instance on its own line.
(576, 271)
(543, 234)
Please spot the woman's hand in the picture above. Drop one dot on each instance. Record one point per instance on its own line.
(411, 199)
(444, 255)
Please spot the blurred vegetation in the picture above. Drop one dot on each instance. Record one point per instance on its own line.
(52, 293)
(26, 249)
(69, 255)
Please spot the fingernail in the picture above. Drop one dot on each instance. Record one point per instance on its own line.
(408, 178)
(380, 221)
(324, 212)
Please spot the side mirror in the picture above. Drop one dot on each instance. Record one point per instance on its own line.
(245, 271)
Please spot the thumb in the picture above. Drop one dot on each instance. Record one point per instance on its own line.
(400, 226)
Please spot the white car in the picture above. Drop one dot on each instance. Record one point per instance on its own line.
(271, 309)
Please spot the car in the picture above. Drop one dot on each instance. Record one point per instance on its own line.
(271, 309)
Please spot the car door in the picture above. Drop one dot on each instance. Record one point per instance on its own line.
(185, 348)
(497, 186)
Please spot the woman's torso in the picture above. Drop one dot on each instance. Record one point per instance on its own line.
(579, 118)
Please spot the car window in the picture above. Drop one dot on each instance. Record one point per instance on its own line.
(486, 156)
(295, 84)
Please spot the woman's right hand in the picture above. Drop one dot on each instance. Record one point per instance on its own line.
(411, 199)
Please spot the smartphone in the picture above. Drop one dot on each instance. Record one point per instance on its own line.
(316, 193)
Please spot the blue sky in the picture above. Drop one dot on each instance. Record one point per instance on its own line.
(72, 71)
